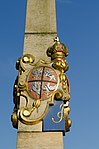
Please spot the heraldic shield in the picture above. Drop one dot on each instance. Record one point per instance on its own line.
(42, 82)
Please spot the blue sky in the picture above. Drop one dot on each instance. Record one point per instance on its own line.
(78, 28)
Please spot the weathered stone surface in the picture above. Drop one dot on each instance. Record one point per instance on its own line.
(37, 45)
(43, 140)
(41, 17)
(29, 128)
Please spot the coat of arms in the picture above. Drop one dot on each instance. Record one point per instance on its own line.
(39, 84)
(42, 82)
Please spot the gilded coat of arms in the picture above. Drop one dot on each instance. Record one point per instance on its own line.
(39, 84)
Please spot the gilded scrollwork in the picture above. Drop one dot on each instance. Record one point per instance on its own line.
(58, 53)
(59, 115)
(35, 88)
(66, 113)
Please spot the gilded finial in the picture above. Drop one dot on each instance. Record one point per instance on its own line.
(56, 39)
(58, 52)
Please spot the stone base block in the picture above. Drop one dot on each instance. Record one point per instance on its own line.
(40, 140)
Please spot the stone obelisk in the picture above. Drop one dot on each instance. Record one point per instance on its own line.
(40, 31)
(38, 81)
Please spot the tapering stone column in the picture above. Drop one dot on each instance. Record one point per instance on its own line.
(40, 30)
(40, 27)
